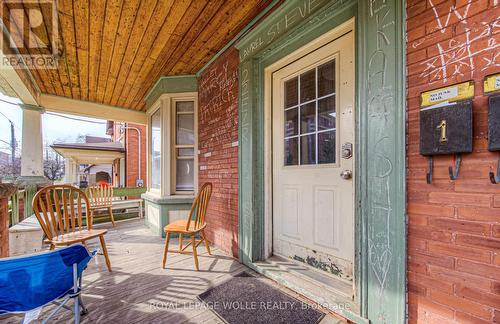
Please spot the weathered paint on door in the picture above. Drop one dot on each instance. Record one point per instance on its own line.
(313, 116)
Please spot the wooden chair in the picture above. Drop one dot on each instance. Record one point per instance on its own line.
(193, 225)
(59, 210)
(101, 197)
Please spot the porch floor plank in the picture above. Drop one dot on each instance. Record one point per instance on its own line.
(139, 290)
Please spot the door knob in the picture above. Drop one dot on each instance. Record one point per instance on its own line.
(346, 174)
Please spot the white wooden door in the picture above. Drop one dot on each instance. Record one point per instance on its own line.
(313, 158)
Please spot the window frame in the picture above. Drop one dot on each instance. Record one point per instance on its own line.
(157, 108)
(166, 102)
(175, 146)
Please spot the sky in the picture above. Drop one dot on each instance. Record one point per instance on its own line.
(56, 128)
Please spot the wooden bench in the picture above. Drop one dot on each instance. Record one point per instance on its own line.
(110, 198)
(119, 201)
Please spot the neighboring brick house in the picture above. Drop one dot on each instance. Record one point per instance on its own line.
(128, 135)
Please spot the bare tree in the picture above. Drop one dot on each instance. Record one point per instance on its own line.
(53, 164)
(12, 169)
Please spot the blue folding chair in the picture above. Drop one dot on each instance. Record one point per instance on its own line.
(28, 283)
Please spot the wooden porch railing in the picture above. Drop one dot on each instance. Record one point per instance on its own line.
(20, 202)
(6, 191)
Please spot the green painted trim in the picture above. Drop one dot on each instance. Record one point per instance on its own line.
(14, 216)
(382, 178)
(163, 206)
(171, 84)
(380, 144)
(290, 15)
(172, 200)
(238, 36)
(128, 191)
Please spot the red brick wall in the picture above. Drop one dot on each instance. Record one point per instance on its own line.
(4, 227)
(454, 231)
(132, 164)
(218, 148)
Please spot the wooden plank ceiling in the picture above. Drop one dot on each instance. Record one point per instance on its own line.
(113, 51)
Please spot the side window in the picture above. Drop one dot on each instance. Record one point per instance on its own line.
(184, 146)
(156, 150)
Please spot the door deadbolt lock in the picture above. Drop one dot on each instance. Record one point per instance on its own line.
(346, 174)
(347, 150)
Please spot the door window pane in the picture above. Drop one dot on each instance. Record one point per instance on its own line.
(327, 115)
(326, 147)
(291, 92)
(291, 122)
(308, 149)
(308, 86)
(308, 118)
(326, 79)
(310, 129)
(291, 151)
(156, 150)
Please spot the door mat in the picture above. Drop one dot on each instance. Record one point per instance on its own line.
(246, 299)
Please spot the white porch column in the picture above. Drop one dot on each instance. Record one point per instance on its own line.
(74, 173)
(67, 170)
(32, 145)
(123, 180)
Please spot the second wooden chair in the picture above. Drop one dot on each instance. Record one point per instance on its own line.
(195, 224)
(101, 197)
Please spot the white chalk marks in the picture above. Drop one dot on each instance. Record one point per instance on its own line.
(380, 112)
(460, 55)
(218, 103)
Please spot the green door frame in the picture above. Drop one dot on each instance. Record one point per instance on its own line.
(380, 265)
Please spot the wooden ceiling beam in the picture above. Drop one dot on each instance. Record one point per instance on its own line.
(91, 109)
(19, 84)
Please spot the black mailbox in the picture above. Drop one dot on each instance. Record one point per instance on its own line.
(494, 123)
(447, 128)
